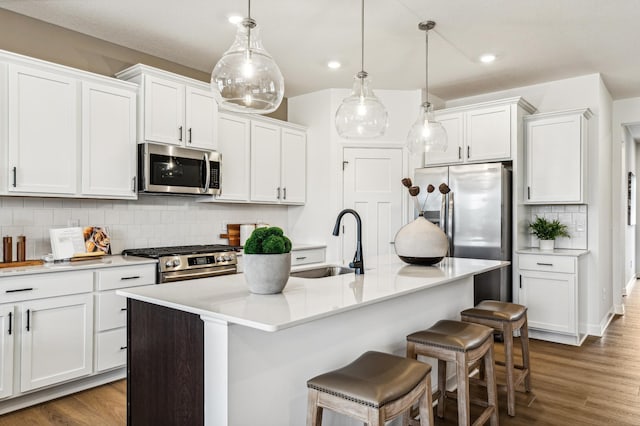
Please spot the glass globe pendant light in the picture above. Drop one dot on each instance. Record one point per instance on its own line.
(361, 115)
(246, 78)
(426, 134)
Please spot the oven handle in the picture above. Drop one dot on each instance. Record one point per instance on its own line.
(207, 180)
(182, 276)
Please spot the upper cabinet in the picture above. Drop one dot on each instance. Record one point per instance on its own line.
(555, 157)
(69, 133)
(234, 143)
(173, 109)
(480, 132)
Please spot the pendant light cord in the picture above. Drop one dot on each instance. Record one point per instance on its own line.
(249, 28)
(426, 67)
(362, 37)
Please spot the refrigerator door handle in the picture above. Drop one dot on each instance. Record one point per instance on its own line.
(450, 216)
(443, 213)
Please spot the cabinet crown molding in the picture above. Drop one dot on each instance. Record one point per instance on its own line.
(585, 112)
(140, 69)
(520, 101)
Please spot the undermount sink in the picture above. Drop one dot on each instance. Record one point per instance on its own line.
(322, 272)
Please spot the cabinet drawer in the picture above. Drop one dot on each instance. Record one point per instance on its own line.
(111, 311)
(303, 257)
(127, 276)
(563, 264)
(38, 286)
(111, 349)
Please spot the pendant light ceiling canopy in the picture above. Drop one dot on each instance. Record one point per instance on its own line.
(246, 78)
(361, 115)
(426, 134)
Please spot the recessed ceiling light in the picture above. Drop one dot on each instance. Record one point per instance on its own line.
(235, 19)
(334, 65)
(487, 58)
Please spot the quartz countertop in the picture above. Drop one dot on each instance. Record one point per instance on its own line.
(108, 261)
(226, 298)
(554, 252)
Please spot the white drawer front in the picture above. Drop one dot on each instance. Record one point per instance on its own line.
(111, 311)
(38, 286)
(127, 276)
(565, 264)
(111, 349)
(303, 257)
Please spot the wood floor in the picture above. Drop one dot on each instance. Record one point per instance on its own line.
(595, 384)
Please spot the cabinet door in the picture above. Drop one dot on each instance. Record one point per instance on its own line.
(163, 111)
(56, 340)
(550, 299)
(108, 142)
(454, 126)
(294, 166)
(554, 160)
(201, 117)
(234, 143)
(43, 132)
(7, 331)
(488, 134)
(265, 162)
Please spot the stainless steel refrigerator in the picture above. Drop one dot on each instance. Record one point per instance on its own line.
(475, 215)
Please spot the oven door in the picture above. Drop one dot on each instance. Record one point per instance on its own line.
(175, 170)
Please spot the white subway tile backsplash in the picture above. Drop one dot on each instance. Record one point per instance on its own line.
(557, 209)
(148, 221)
(574, 216)
(571, 208)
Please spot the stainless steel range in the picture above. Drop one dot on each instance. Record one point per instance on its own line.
(189, 262)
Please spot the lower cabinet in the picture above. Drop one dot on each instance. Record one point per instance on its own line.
(307, 256)
(7, 322)
(550, 288)
(56, 340)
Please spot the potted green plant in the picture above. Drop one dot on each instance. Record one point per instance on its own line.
(547, 231)
(267, 260)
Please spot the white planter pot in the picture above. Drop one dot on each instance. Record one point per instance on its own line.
(266, 273)
(546, 244)
(421, 242)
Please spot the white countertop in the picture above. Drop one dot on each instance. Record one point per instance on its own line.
(554, 252)
(303, 300)
(102, 262)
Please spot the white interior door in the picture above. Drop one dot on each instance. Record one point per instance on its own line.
(371, 186)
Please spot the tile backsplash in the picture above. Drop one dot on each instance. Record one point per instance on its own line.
(147, 222)
(572, 215)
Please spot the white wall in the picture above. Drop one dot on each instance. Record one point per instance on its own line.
(151, 221)
(573, 93)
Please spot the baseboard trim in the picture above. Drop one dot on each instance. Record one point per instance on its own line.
(598, 330)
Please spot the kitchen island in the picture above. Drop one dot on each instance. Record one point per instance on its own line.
(208, 352)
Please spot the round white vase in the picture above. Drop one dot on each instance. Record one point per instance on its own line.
(546, 244)
(266, 273)
(421, 242)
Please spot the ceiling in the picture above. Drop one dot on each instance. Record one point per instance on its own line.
(535, 41)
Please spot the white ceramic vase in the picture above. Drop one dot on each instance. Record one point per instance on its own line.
(546, 244)
(266, 273)
(421, 242)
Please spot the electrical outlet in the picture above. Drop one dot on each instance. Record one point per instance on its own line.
(580, 228)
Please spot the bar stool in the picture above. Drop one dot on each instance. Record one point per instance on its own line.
(374, 388)
(465, 344)
(506, 318)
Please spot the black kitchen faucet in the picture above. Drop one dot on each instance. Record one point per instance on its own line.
(358, 262)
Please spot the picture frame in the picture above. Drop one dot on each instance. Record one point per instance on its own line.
(631, 199)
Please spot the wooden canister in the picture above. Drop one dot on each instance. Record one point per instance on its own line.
(21, 248)
(7, 249)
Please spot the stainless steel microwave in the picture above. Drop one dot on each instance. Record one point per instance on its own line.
(166, 169)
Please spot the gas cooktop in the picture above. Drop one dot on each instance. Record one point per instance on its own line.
(157, 252)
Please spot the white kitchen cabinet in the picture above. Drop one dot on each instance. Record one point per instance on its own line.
(173, 109)
(305, 256)
(43, 131)
(555, 157)
(550, 289)
(7, 333)
(480, 132)
(108, 141)
(111, 312)
(234, 143)
(56, 340)
(278, 164)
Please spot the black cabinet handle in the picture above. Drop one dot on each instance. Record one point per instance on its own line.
(284, 191)
(10, 320)
(468, 151)
(134, 277)
(301, 258)
(28, 319)
(520, 281)
(19, 290)
(133, 184)
(544, 264)
(528, 192)
(123, 309)
(15, 170)
(180, 133)
(189, 134)
(123, 348)
(459, 153)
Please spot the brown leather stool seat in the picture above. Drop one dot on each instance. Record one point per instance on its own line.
(506, 318)
(374, 388)
(465, 344)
